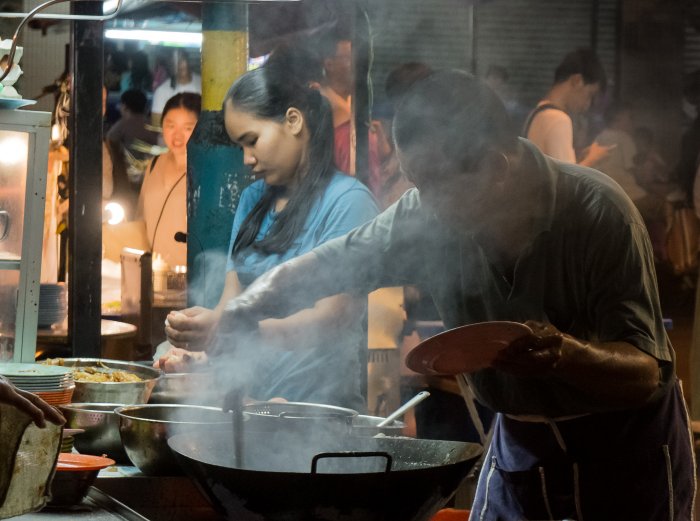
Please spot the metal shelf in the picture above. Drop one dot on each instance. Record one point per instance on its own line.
(9, 264)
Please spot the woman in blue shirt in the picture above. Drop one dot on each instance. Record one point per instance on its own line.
(297, 202)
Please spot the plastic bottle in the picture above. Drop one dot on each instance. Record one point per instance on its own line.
(160, 273)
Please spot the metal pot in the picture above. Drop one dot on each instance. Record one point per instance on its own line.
(145, 430)
(101, 427)
(114, 392)
(188, 388)
(363, 479)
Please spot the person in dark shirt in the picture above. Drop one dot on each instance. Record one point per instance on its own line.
(127, 140)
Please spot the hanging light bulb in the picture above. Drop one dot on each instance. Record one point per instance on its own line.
(113, 213)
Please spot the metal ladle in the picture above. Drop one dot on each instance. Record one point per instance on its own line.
(405, 407)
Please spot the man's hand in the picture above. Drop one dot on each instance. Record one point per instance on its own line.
(191, 327)
(615, 373)
(537, 354)
(595, 153)
(35, 407)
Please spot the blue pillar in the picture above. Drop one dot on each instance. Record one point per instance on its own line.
(215, 171)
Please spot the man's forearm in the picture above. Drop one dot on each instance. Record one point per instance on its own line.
(615, 372)
(289, 287)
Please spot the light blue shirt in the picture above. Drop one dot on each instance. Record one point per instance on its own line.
(329, 374)
(345, 204)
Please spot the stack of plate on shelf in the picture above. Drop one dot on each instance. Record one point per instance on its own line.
(68, 438)
(53, 304)
(54, 384)
(67, 443)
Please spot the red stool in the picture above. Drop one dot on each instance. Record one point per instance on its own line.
(451, 514)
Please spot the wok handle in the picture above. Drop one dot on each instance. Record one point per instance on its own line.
(351, 454)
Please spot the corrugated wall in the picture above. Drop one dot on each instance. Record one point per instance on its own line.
(437, 33)
(691, 50)
(530, 38)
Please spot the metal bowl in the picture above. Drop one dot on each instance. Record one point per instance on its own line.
(69, 488)
(363, 425)
(187, 388)
(145, 430)
(114, 392)
(101, 427)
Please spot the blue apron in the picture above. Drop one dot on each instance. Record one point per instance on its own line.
(623, 465)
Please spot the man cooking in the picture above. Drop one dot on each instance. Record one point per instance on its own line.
(592, 424)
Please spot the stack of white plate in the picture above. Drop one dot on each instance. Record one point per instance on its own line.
(53, 304)
(53, 383)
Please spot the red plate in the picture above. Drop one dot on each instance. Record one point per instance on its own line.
(68, 461)
(464, 349)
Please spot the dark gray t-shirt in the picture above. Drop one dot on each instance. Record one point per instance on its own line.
(589, 271)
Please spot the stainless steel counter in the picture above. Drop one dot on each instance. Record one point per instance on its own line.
(98, 506)
(122, 493)
(161, 498)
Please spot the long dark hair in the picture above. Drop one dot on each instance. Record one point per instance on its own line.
(268, 93)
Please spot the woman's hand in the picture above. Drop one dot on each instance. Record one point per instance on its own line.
(35, 407)
(191, 327)
(178, 360)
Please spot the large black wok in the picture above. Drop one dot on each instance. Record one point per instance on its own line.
(366, 479)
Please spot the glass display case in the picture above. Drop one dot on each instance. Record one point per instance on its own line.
(24, 147)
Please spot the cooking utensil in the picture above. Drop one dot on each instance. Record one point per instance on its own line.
(405, 407)
(363, 425)
(114, 392)
(299, 417)
(278, 482)
(233, 402)
(464, 349)
(145, 430)
(101, 429)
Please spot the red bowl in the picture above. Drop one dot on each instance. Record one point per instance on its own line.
(75, 474)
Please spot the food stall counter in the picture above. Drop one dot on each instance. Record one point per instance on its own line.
(97, 506)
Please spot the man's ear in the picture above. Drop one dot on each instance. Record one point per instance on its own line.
(294, 120)
(327, 64)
